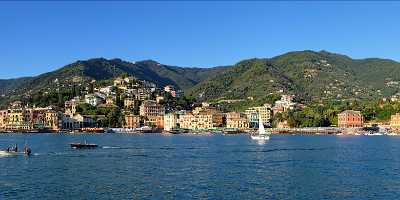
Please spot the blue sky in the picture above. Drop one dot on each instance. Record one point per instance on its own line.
(37, 37)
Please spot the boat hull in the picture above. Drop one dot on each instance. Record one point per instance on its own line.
(260, 137)
(83, 146)
(11, 153)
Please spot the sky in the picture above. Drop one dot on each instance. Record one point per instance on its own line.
(38, 37)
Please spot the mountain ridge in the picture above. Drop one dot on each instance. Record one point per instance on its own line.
(311, 75)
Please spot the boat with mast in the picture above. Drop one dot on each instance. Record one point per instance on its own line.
(261, 135)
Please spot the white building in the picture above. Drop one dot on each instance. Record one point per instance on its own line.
(92, 99)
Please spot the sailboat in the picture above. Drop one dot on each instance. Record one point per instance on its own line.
(261, 134)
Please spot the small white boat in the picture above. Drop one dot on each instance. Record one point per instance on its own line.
(12, 153)
(262, 134)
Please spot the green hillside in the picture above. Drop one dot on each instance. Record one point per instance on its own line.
(312, 76)
(82, 72)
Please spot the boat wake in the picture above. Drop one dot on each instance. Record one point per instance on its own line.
(111, 147)
(284, 149)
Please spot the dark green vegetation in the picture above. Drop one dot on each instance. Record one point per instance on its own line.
(322, 115)
(311, 76)
(81, 73)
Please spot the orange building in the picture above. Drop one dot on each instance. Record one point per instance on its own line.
(155, 121)
(3, 119)
(350, 119)
(132, 121)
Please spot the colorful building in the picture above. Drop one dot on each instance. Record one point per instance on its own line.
(3, 119)
(132, 121)
(236, 120)
(350, 119)
(196, 121)
(17, 119)
(129, 103)
(253, 114)
(395, 121)
(155, 121)
(151, 108)
(170, 121)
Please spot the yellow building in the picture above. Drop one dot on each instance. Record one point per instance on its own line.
(253, 114)
(236, 120)
(51, 120)
(196, 121)
(17, 119)
(395, 121)
(170, 121)
(216, 115)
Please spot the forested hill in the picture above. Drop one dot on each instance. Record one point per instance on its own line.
(312, 76)
(103, 69)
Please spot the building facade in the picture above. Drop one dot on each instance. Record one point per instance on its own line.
(236, 120)
(132, 121)
(395, 121)
(196, 121)
(3, 119)
(151, 108)
(170, 121)
(155, 121)
(129, 103)
(350, 119)
(254, 113)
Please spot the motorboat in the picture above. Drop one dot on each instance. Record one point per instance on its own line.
(83, 145)
(14, 151)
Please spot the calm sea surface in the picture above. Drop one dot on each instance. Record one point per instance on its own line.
(202, 167)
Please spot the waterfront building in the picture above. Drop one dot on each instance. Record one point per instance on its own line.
(155, 121)
(3, 119)
(132, 121)
(17, 119)
(206, 109)
(68, 122)
(350, 119)
(78, 121)
(253, 113)
(395, 121)
(36, 118)
(51, 120)
(236, 120)
(196, 121)
(170, 121)
(151, 108)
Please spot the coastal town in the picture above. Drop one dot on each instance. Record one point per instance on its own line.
(146, 108)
